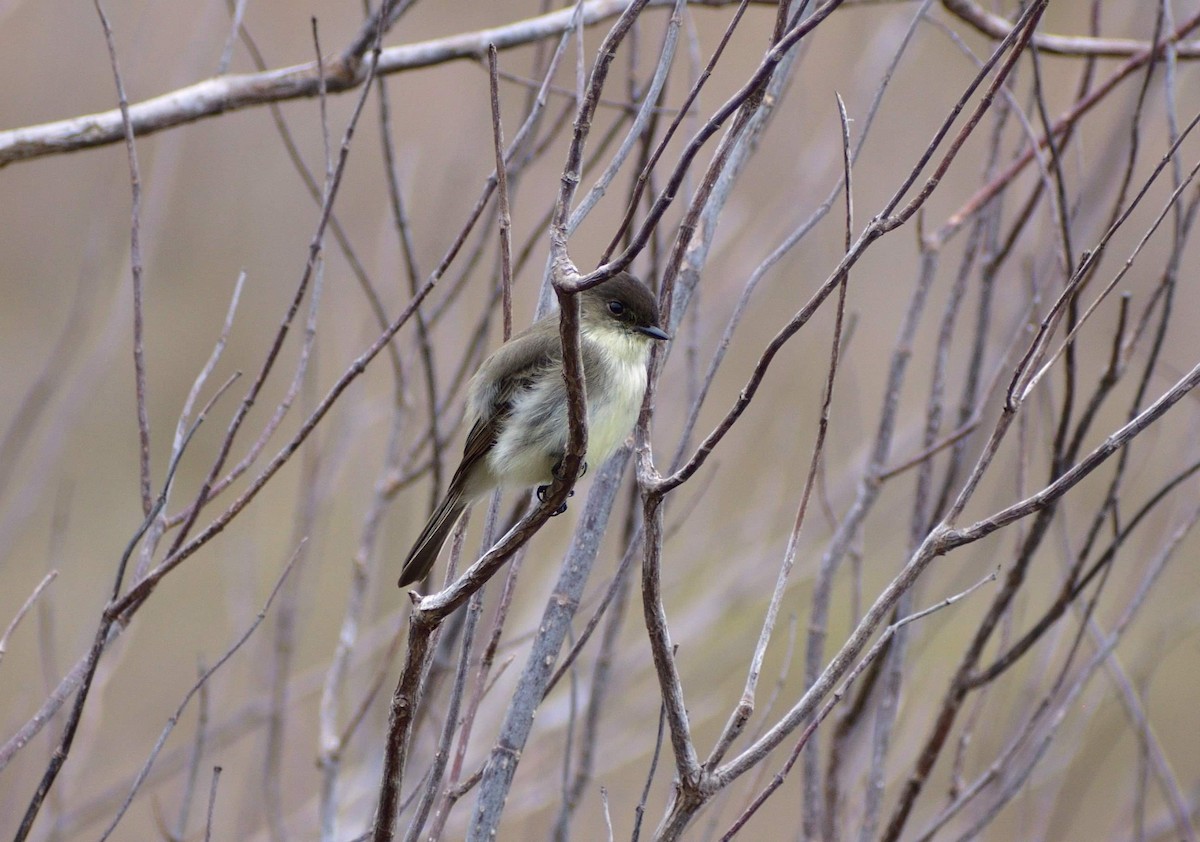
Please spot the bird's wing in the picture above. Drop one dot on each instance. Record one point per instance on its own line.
(481, 438)
(502, 378)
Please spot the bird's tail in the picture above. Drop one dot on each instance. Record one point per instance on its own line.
(425, 551)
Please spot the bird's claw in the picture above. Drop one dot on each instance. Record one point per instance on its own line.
(558, 472)
(541, 495)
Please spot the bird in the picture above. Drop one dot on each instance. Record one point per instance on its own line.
(517, 405)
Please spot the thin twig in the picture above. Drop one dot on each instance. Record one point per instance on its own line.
(24, 609)
(88, 673)
(192, 777)
(141, 776)
(135, 262)
(212, 804)
(880, 647)
(552, 632)
(505, 217)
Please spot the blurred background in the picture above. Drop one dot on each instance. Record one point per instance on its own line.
(221, 197)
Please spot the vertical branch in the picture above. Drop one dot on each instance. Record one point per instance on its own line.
(197, 756)
(284, 646)
(743, 104)
(181, 549)
(539, 667)
(650, 100)
(600, 685)
(239, 12)
(922, 519)
(866, 497)
(333, 740)
(647, 168)
(422, 629)
(505, 217)
(689, 773)
(212, 803)
(745, 707)
(453, 788)
(441, 755)
(408, 250)
(589, 100)
(284, 641)
(135, 265)
(424, 623)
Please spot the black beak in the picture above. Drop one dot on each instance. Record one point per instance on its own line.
(654, 332)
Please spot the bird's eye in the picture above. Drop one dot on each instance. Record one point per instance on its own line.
(616, 308)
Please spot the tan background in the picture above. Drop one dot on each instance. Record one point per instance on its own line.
(221, 197)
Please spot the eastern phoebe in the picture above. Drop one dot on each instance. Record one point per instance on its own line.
(517, 404)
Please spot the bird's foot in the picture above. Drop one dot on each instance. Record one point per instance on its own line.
(541, 495)
(558, 472)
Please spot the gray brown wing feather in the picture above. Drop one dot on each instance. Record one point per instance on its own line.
(513, 369)
(425, 551)
(509, 372)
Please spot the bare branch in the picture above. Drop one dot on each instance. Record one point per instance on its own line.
(196, 688)
(24, 609)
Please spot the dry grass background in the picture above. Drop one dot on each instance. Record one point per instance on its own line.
(221, 198)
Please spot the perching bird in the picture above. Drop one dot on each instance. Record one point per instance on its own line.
(517, 404)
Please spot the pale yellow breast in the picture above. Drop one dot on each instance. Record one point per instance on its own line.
(611, 417)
